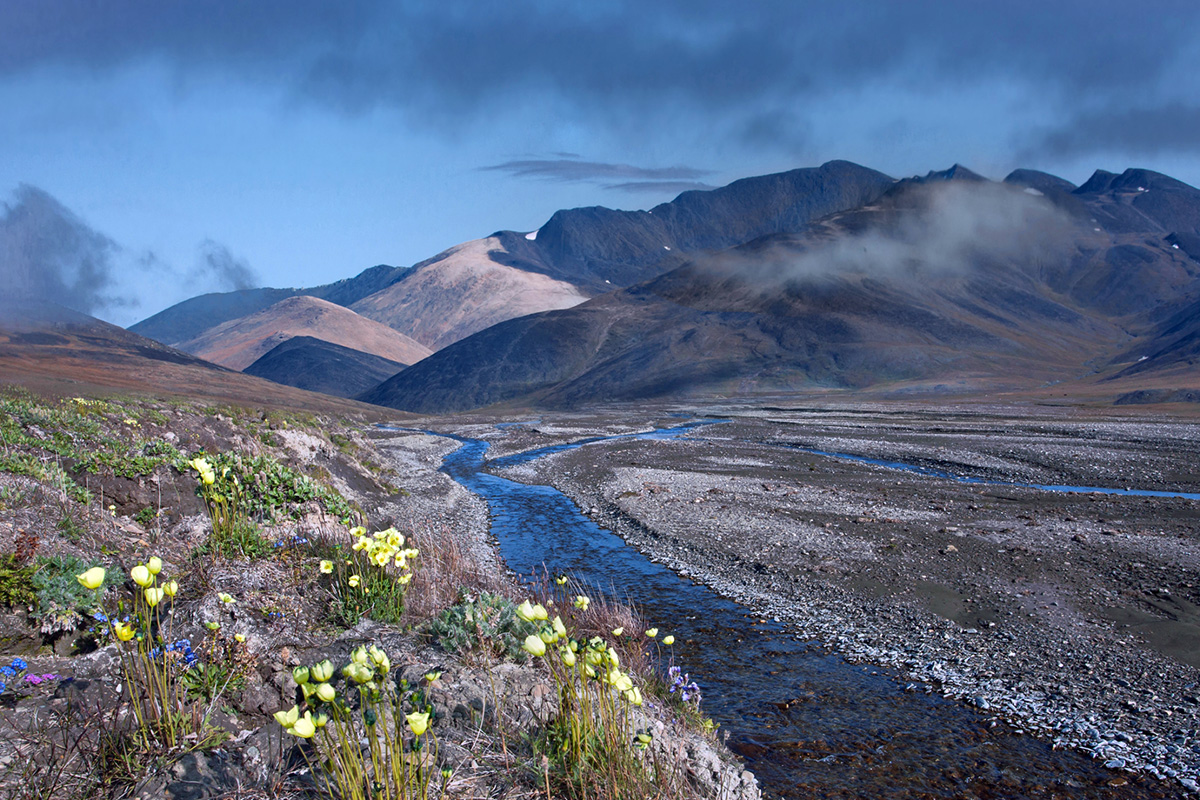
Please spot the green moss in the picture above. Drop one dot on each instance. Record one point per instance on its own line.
(271, 490)
(16, 582)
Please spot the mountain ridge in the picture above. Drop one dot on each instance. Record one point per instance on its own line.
(1014, 316)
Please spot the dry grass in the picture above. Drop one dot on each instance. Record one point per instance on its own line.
(442, 570)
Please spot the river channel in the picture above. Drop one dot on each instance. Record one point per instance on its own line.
(808, 723)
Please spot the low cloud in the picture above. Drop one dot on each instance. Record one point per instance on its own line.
(48, 254)
(616, 177)
(944, 229)
(659, 187)
(597, 172)
(222, 271)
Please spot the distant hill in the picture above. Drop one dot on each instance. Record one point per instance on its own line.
(464, 290)
(942, 283)
(190, 318)
(240, 342)
(53, 349)
(320, 366)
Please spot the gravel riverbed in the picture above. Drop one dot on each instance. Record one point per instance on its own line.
(1073, 617)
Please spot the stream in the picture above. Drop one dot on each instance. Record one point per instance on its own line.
(807, 723)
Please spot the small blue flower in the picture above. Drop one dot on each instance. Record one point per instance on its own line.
(19, 663)
(8, 672)
(100, 616)
(3, 686)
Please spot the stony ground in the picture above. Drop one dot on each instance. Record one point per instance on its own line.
(487, 709)
(1075, 616)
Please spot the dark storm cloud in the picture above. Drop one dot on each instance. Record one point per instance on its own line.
(629, 64)
(48, 254)
(1170, 129)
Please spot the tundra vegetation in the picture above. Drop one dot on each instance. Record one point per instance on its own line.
(210, 596)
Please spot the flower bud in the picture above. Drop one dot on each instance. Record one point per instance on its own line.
(377, 655)
(154, 564)
(534, 645)
(141, 575)
(418, 723)
(322, 671)
(326, 692)
(300, 674)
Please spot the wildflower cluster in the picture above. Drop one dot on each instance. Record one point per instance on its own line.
(11, 677)
(363, 703)
(594, 659)
(179, 651)
(373, 580)
(681, 683)
(152, 665)
(233, 533)
(384, 547)
(588, 740)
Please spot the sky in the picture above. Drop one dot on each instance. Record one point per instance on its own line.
(158, 149)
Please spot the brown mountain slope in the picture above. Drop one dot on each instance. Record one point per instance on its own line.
(240, 342)
(464, 290)
(55, 350)
(942, 285)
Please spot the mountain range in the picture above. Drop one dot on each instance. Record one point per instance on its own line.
(835, 278)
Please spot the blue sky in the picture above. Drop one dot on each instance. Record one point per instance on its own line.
(155, 149)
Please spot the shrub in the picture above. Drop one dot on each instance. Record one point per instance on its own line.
(486, 622)
(62, 603)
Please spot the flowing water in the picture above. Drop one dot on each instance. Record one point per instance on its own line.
(1045, 487)
(808, 723)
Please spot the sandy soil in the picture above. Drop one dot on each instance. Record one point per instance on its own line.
(1076, 616)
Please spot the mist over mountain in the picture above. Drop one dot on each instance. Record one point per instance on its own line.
(831, 278)
(942, 283)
